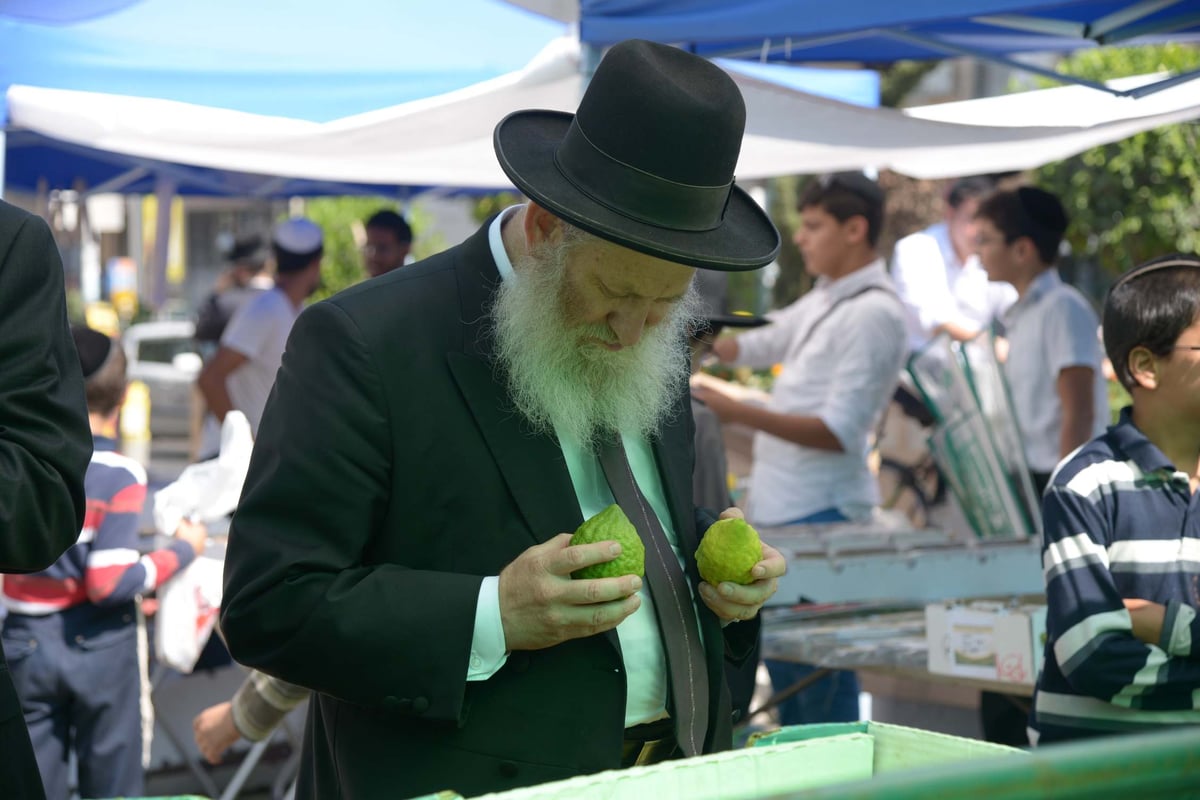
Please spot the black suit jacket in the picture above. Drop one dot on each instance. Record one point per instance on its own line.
(389, 477)
(45, 441)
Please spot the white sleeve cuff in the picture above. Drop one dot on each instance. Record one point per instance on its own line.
(488, 652)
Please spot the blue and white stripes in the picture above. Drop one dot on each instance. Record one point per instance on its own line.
(1120, 523)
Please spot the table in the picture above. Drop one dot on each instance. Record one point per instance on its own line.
(881, 639)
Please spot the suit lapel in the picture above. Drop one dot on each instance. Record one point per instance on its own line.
(672, 452)
(532, 465)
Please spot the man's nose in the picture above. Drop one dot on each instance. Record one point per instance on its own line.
(628, 324)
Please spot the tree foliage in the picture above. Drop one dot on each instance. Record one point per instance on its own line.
(1139, 197)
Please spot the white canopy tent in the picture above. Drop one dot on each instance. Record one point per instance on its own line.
(446, 140)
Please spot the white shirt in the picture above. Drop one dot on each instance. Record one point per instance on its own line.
(845, 375)
(641, 646)
(1049, 329)
(937, 287)
(259, 331)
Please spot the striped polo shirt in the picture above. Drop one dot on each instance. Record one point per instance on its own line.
(104, 567)
(1120, 523)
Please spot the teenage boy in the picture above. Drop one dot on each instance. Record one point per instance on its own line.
(71, 630)
(1053, 365)
(842, 346)
(1122, 529)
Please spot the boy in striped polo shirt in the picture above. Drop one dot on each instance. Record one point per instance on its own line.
(71, 631)
(1121, 553)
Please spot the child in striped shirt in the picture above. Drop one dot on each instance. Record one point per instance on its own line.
(1121, 552)
(71, 629)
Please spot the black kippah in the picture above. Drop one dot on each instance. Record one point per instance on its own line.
(93, 348)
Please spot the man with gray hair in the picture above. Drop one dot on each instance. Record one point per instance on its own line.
(403, 542)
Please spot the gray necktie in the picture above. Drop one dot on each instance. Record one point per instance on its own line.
(672, 604)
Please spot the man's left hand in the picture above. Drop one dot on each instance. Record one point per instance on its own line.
(721, 404)
(736, 602)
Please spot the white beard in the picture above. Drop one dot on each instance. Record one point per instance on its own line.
(566, 385)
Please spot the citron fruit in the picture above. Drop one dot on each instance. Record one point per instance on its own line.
(611, 523)
(729, 550)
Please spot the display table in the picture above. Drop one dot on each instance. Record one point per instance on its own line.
(887, 643)
(882, 560)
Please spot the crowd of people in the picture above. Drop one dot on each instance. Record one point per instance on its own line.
(426, 441)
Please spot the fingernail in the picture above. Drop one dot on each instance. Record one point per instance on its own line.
(637, 583)
(614, 549)
(726, 589)
(758, 572)
(706, 590)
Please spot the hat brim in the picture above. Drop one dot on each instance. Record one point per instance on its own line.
(525, 142)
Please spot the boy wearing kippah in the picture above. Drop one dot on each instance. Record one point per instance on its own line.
(1121, 552)
(71, 630)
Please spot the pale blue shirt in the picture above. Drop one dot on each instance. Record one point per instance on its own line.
(641, 647)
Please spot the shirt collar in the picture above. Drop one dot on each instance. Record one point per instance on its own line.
(870, 275)
(496, 242)
(941, 234)
(1134, 443)
(1046, 280)
(103, 443)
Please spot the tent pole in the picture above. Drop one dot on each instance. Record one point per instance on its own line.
(164, 194)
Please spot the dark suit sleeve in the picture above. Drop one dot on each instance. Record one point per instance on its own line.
(304, 598)
(45, 439)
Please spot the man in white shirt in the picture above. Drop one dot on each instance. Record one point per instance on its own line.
(241, 373)
(841, 347)
(938, 275)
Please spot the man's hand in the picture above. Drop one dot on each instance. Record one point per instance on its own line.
(214, 731)
(541, 605)
(725, 406)
(725, 348)
(735, 602)
(194, 533)
(1147, 619)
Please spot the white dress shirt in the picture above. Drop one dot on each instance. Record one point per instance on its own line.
(844, 374)
(1049, 329)
(937, 287)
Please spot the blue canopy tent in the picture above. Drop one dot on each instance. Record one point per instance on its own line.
(882, 31)
(305, 60)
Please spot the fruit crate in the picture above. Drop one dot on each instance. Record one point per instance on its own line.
(780, 764)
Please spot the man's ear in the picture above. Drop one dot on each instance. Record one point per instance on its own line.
(541, 227)
(1143, 366)
(855, 229)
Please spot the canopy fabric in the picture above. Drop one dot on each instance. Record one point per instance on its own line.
(60, 11)
(306, 59)
(876, 31)
(446, 141)
(63, 136)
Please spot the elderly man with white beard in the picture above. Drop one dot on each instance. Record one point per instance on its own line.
(402, 546)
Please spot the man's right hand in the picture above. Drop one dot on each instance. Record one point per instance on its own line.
(541, 605)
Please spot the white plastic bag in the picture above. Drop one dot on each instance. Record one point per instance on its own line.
(208, 490)
(187, 612)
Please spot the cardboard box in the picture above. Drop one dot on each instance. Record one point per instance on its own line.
(991, 641)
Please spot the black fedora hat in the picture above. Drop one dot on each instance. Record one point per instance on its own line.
(647, 160)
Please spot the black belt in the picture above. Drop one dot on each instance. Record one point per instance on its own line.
(650, 731)
(649, 743)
